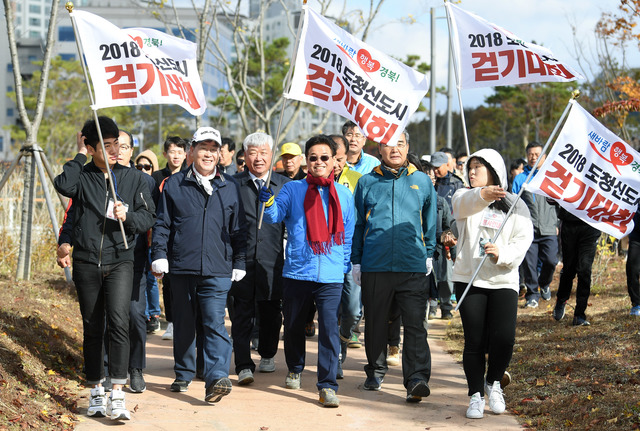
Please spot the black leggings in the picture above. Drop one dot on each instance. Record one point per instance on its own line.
(488, 317)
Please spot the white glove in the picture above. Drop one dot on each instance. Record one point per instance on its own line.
(238, 274)
(356, 274)
(160, 265)
(429, 265)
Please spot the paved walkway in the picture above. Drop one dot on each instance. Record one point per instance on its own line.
(267, 405)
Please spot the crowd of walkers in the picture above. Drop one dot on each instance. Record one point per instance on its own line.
(335, 235)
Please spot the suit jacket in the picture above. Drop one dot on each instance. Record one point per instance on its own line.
(265, 249)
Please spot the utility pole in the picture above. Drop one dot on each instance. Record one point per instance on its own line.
(432, 91)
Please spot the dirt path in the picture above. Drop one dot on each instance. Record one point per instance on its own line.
(267, 405)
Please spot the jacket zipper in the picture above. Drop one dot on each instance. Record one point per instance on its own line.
(104, 221)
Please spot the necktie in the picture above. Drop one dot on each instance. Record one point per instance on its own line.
(259, 183)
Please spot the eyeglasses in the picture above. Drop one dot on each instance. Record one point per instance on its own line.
(143, 167)
(125, 147)
(399, 146)
(324, 158)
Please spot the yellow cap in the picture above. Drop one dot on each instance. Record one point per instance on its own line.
(290, 148)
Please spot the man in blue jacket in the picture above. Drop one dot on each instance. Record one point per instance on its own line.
(393, 245)
(318, 214)
(199, 239)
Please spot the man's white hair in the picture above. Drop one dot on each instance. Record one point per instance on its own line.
(257, 139)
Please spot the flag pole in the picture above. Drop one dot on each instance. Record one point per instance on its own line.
(286, 88)
(69, 7)
(574, 95)
(457, 73)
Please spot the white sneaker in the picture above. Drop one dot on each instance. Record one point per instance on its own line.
(168, 334)
(496, 399)
(267, 365)
(116, 408)
(476, 406)
(97, 403)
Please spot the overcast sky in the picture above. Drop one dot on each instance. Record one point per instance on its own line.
(547, 22)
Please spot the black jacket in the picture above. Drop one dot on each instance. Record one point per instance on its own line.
(197, 233)
(97, 239)
(265, 248)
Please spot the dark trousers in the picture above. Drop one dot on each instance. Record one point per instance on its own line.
(297, 298)
(269, 322)
(633, 272)
(166, 298)
(138, 321)
(210, 294)
(545, 249)
(410, 291)
(395, 325)
(579, 243)
(489, 323)
(104, 289)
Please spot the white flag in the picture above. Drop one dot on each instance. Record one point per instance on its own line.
(489, 55)
(338, 72)
(139, 66)
(592, 173)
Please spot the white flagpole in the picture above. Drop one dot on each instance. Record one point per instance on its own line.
(286, 87)
(574, 95)
(69, 7)
(457, 73)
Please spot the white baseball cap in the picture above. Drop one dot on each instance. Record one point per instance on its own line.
(207, 134)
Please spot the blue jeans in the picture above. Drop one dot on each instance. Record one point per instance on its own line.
(297, 297)
(350, 307)
(210, 294)
(153, 296)
(104, 289)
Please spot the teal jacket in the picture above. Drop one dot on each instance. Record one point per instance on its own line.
(395, 221)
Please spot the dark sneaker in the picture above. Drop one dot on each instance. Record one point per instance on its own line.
(416, 390)
(310, 329)
(531, 303)
(558, 311)
(580, 321)
(446, 315)
(153, 324)
(373, 384)
(545, 292)
(179, 386)
(136, 381)
(328, 398)
(506, 379)
(218, 389)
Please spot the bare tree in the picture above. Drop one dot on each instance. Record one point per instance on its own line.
(250, 93)
(31, 126)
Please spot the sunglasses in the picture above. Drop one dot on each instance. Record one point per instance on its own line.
(324, 158)
(143, 167)
(240, 162)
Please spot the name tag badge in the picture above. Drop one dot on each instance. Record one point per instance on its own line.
(110, 214)
(491, 219)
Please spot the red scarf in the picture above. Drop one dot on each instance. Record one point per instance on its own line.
(319, 235)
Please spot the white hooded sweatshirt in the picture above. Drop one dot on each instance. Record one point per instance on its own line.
(476, 221)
